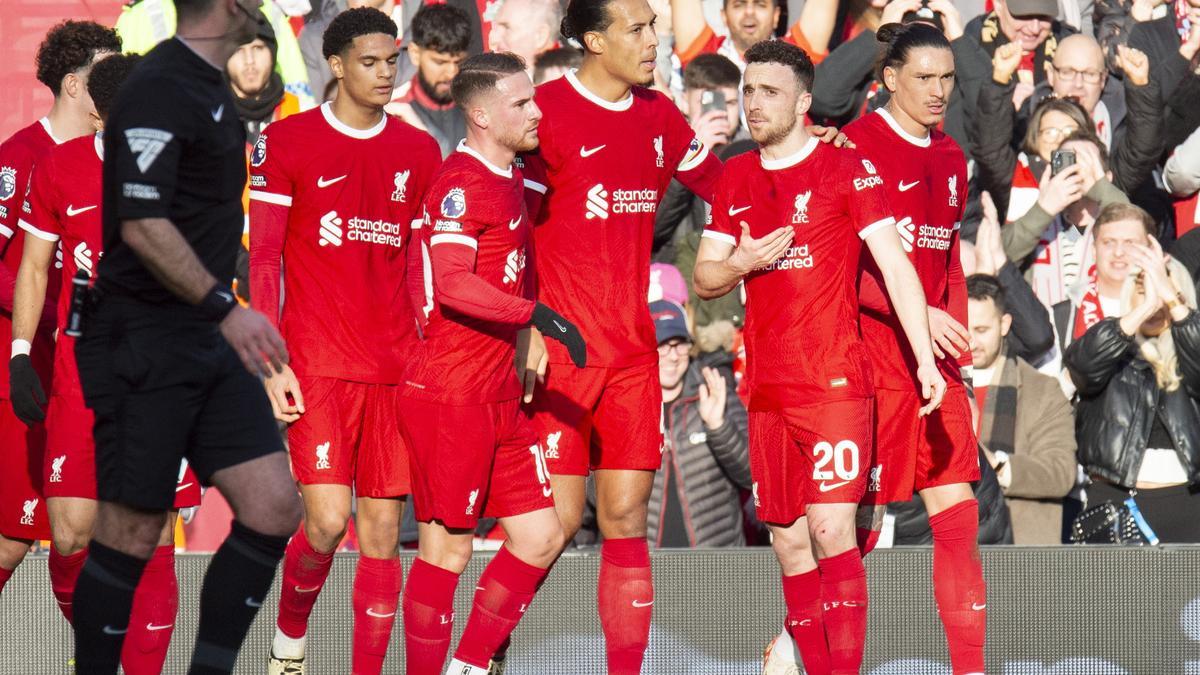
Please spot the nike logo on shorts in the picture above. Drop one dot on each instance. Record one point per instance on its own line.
(826, 487)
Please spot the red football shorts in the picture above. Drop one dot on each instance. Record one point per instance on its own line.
(349, 435)
(817, 454)
(22, 504)
(470, 461)
(69, 469)
(600, 418)
(913, 453)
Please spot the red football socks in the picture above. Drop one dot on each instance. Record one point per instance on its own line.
(958, 585)
(844, 601)
(428, 617)
(5, 575)
(805, 620)
(64, 572)
(152, 621)
(304, 574)
(626, 599)
(504, 592)
(376, 596)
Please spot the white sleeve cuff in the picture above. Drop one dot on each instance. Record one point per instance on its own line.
(271, 198)
(875, 227)
(721, 237)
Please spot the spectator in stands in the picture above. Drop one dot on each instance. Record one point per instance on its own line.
(747, 22)
(1051, 240)
(1025, 424)
(1031, 336)
(1116, 21)
(309, 39)
(1128, 119)
(1181, 175)
(695, 501)
(1172, 42)
(1137, 370)
(441, 36)
(258, 90)
(554, 63)
(526, 28)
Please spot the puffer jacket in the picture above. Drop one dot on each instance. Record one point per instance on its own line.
(710, 466)
(995, 524)
(1118, 398)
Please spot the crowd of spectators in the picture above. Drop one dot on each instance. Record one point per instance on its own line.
(1080, 122)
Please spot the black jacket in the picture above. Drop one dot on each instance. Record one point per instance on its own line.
(995, 526)
(1179, 83)
(1118, 398)
(1031, 336)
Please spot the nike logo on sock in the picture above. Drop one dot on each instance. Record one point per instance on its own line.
(109, 630)
(978, 606)
(151, 626)
(371, 612)
(307, 590)
(251, 602)
(561, 328)
(640, 604)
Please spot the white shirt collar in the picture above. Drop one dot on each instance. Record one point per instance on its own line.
(98, 143)
(327, 112)
(464, 148)
(620, 106)
(45, 122)
(891, 121)
(792, 159)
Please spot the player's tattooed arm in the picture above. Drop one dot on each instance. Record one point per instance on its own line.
(720, 265)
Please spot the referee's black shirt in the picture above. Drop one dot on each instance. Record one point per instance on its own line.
(173, 148)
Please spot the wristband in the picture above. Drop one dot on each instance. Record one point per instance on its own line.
(21, 347)
(217, 303)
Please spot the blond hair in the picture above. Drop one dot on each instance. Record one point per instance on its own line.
(1159, 351)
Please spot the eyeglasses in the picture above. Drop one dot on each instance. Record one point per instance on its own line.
(678, 348)
(1055, 134)
(1089, 76)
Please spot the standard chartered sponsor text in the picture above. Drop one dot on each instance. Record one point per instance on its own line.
(375, 232)
(634, 201)
(796, 257)
(931, 236)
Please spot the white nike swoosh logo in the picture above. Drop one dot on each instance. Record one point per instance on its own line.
(905, 188)
(216, 114)
(151, 626)
(512, 224)
(72, 211)
(251, 602)
(639, 603)
(561, 328)
(321, 182)
(181, 488)
(825, 487)
(977, 606)
(734, 212)
(588, 152)
(314, 589)
(546, 491)
(371, 612)
(109, 630)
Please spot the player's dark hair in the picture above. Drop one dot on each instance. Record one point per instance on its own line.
(899, 40)
(562, 57)
(1086, 135)
(711, 71)
(778, 51)
(1066, 106)
(480, 73)
(71, 46)
(441, 28)
(106, 79)
(353, 23)
(585, 16)
(987, 287)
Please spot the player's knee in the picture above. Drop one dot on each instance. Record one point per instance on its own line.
(325, 528)
(831, 533)
(279, 516)
(451, 555)
(68, 541)
(542, 548)
(623, 520)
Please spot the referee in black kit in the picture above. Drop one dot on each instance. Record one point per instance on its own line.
(168, 360)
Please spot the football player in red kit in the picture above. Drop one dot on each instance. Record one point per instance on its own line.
(63, 60)
(473, 451)
(334, 193)
(924, 173)
(790, 221)
(608, 148)
(64, 215)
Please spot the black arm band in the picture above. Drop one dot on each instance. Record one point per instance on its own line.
(217, 303)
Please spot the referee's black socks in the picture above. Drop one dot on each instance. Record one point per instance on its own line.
(103, 601)
(235, 585)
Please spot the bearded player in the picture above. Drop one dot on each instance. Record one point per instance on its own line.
(334, 195)
(474, 452)
(65, 215)
(924, 172)
(608, 149)
(811, 403)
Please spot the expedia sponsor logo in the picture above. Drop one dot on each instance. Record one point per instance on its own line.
(868, 182)
(796, 257)
(933, 237)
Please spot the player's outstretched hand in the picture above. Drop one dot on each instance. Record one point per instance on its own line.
(25, 388)
(255, 340)
(553, 325)
(279, 387)
(531, 360)
(933, 387)
(752, 253)
(949, 336)
(831, 135)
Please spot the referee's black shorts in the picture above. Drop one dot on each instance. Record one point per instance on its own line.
(165, 385)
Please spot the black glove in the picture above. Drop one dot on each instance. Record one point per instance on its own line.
(552, 325)
(25, 390)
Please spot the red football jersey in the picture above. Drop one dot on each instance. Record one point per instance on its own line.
(802, 343)
(926, 184)
(475, 249)
(65, 208)
(336, 205)
(18, 155)
(605, 167)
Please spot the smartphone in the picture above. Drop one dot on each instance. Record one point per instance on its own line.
(1060, 160)
(711, 99)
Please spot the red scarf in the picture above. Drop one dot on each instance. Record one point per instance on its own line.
(1090, 312)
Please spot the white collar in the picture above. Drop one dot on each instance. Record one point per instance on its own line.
(45, 122)
(466, 149)
(620, 106)
(327, 112)
(792, 159)
(891, 121)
